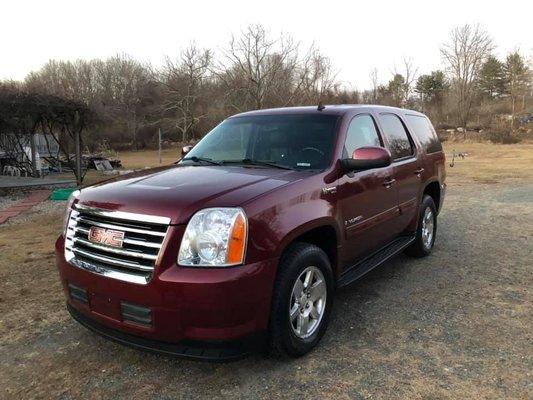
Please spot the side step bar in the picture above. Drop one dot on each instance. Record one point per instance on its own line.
(375, 260)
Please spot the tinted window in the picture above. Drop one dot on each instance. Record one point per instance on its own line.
(393, 129)
(425, 133)
(361, 132)
(296, 141)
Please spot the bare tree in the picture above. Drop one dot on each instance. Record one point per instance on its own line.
(253, 64)
(315, 79)
(122, 81)
(375, 85)
(408, 73)
(465, 54)
(183, 82)
(115, 87)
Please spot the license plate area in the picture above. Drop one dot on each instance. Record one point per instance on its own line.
(105, 305)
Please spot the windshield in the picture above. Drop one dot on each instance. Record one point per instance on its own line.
(292, 141)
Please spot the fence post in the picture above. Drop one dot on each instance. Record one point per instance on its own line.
(159, 134)
(33, 150)
(78, 149)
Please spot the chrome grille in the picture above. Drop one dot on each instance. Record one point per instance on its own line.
(134, 261)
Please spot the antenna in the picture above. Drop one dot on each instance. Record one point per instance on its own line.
(320, 106)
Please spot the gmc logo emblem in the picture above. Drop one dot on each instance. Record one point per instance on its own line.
(108, 237)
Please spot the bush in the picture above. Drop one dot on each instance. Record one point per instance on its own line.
(504, 137)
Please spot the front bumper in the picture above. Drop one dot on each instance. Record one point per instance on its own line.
(206, 351)
(185, 304)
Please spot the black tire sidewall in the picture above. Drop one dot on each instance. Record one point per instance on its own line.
(303, 256)
(427, 202)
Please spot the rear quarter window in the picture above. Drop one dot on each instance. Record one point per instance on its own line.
(425, 133)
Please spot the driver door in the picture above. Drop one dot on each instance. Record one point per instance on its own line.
(368, 199)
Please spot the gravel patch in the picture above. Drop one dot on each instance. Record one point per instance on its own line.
(47, 207)
(10, 198)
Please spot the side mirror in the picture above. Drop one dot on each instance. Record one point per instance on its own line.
(185, 150)
(365, 158)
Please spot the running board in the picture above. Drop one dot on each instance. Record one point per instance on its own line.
(375, 260)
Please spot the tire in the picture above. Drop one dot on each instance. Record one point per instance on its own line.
(422, 246)
(295, 265)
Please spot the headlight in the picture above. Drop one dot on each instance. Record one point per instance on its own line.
(70, 201)
(215, 237)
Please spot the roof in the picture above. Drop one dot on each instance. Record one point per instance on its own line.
(335, 109)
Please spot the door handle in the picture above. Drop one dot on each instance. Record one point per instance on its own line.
(389, 182)
(419, 171)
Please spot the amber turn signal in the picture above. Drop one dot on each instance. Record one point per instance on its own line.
(237, 241)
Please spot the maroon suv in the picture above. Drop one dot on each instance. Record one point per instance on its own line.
(245, 240)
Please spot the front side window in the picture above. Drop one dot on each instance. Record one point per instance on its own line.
(399, 143)
(362, 132)
(292, 141)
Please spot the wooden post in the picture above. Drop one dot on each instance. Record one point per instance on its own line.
(78, 150)
(159, 141)
(135, 130)
(33, 150)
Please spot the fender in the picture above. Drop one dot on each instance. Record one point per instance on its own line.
(414, 223)
(274, 228)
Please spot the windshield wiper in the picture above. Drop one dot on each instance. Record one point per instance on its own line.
(249, 161)
(201, 159)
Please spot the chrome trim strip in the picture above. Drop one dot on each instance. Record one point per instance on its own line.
(119, 227)
(126, 240)
(111, 273)
(113, 261)
(116, 250)
(151, 219)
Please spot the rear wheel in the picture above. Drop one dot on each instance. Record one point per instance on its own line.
(302, 300)
(426, 230)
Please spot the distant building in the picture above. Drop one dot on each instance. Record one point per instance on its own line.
(45, 145)
(17, 149)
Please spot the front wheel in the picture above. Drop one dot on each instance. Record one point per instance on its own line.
(426, 229)
(302, 300)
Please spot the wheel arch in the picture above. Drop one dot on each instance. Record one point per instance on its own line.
(433, 190)
(322, 233)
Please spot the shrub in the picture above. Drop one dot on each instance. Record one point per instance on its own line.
(501, 136)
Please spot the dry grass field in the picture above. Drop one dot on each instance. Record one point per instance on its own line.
(148, 158)
(485, 163)
(454, 325)
(490, 163)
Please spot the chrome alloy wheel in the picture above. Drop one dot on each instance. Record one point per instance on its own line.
(308, 302)
(428, 228)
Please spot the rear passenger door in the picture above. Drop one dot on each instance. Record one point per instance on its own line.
(406, 164)
(369, 206)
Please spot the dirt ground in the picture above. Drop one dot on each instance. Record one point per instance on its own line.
(457, 324)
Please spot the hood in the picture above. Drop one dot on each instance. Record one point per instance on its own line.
(179, 191)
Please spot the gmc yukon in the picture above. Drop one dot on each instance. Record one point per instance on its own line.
(245, 239)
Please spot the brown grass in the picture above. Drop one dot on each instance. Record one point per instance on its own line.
(148, 158)
(27, 246)
(489, 163)
(486, 162)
